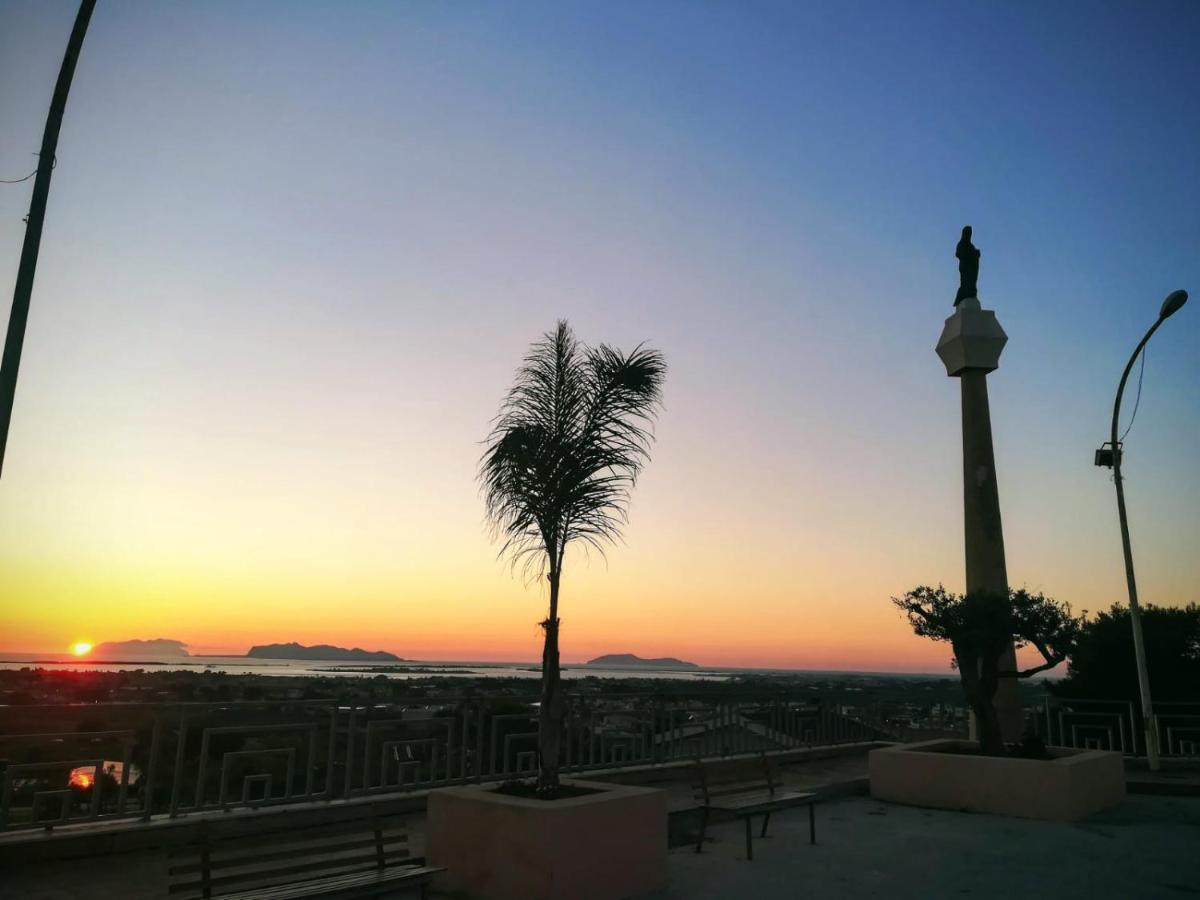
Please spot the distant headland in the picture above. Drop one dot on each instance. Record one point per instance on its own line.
(630, 661)
(139, 649)
(324, 652)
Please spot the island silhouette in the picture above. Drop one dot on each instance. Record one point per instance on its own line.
(631, 661)
(324, 652)
(139, 648)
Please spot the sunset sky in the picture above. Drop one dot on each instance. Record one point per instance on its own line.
(295, 251)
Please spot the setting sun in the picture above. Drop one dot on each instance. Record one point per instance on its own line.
(81, 648)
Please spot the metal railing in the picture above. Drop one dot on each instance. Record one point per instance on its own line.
(64, 764)
(1097, 724)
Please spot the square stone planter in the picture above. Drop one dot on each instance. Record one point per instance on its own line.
(1076, 783)
(603, 846)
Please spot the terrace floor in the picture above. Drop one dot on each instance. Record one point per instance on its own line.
(1148, 847)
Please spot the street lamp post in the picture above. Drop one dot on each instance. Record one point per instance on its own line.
(1170, 306)
(17, 319)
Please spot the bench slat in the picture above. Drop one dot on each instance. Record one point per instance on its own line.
(337, 883)
(729, 786)
(757, 782)
(393, 845)
(758, 795)
(371, 881)
(336, 822)
(743, 788)
(323, 886)
(357, 865)
(761, 802)
(739, 777)
(219, 842)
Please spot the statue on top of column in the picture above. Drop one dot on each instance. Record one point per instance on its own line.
(968, 266)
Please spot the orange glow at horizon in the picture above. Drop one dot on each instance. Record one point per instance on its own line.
(81, 648)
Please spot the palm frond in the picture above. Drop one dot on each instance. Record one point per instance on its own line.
(571, 438)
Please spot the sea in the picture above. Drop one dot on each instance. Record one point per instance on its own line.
(407, 669)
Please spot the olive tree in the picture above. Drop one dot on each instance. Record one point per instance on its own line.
(980, 627)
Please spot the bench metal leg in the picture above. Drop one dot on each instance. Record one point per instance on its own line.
(812, 823)
(703, 827)
(766, 819)
(749, 848)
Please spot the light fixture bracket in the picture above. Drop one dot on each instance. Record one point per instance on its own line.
(1105, 455)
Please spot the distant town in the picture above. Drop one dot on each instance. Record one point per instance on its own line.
(904, 706)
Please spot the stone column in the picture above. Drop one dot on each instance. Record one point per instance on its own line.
(970, 347)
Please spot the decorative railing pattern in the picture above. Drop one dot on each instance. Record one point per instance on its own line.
(1178, 728)
(57, 767)
(1093, 724)
(94, 762)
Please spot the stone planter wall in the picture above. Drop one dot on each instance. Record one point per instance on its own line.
(604, 846)
(1076, 783)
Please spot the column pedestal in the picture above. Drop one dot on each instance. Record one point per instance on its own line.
(970, 346)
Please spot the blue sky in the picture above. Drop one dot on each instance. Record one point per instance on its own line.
(294, 251)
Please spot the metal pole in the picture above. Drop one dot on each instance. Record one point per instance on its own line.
(33, 230)
(1149, 723)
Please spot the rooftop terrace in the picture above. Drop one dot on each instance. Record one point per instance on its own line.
(1146, 847)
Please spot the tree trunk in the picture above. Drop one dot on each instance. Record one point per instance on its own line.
(991, 733)
(987, 722)
(980, 680)
(550, 715)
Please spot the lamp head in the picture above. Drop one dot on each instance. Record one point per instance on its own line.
(1171, 305)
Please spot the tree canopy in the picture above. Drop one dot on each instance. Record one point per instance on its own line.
(1103, 665)
(979, 627)
(568, 445)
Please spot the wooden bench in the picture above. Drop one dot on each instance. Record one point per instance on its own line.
(355, 853)
(746, 794)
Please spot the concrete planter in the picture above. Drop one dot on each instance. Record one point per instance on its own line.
(603, 846)
(1076, 783)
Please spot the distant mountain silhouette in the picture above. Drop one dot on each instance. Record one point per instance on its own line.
(139, 649)
(320, 652)
(630, 661)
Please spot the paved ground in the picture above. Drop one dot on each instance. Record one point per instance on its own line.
(1148, 847)
(1176, 780)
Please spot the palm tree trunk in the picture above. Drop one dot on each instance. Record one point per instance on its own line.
(550, 715)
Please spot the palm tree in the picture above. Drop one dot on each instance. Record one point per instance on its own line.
(566, 449)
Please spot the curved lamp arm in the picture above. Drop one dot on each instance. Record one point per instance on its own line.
(1121, 392)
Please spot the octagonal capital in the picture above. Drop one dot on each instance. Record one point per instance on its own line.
(971, 339)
